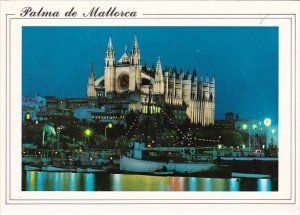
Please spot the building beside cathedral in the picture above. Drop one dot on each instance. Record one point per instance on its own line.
(127, 85)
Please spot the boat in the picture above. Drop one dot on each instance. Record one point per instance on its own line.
(95, 170)
(32, 168)
(163, 173)
(134, 161)
(249, 175)
(80, 170)
(57, 169)
(90, 170)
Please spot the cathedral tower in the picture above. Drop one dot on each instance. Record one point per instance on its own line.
(109, 70)
(135, 67)
(91, 92)
(158, 87)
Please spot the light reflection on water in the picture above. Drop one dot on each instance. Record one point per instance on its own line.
(55, 181)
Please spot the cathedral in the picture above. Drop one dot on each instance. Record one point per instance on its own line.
(127, 81)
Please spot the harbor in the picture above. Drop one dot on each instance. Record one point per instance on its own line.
(111, 171)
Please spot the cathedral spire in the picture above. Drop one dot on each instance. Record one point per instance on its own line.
(213, 79)
(194, 75)
(110, 55)
(135, 52)
(158, 65)
(109, 45)
(91, 92)
(135, 43)
(92, 72)
(158, 79)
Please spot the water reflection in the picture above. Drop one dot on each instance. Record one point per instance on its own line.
(264, 185)
(234, 184)
(54, 181)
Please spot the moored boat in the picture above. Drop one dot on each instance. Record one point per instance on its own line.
(249, 175)
(137, 160)
(57, 169)
(95, 170)
(32, 168)
(145, 166)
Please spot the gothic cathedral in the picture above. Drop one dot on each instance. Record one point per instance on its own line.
(177, 89)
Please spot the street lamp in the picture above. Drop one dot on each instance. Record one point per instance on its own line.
(58, 136)
(245, 126)
(88, 132)
(109, 125)
(267, 123)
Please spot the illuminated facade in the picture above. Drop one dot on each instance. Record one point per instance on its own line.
(170, 87)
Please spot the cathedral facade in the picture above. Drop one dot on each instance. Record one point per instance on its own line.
(174, 88)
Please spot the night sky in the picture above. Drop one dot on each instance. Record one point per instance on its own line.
(55, 60)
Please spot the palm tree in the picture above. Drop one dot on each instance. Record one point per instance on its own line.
(49, 131)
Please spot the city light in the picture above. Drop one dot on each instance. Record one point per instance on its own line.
(109, 125)
(273, 131)
(254, 126)
(245, 126)
(267, 122)
(88, 132)
(27, 116)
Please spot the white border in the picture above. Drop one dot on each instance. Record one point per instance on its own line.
(286, 101)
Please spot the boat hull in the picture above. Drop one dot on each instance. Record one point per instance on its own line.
(142, 166)
(57, 169)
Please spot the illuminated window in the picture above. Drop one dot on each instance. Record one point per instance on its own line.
(27, 116)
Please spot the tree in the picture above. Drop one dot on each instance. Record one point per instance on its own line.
(231, 138)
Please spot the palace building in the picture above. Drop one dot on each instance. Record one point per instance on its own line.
(127, 85)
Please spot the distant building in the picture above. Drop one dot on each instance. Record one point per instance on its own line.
(229, 117)
(87, 114)
(33, 107)
(66, 106)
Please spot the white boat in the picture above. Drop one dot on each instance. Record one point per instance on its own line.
(134, 161)
(129, 164)
(89, 170)
(249, 175)
(32, 168)
(57, 169)
(94, 170)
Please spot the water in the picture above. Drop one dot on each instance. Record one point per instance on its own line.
(55, 181)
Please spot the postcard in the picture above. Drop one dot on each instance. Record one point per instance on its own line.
(149, 106)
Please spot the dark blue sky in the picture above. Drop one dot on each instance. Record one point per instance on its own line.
(55, 60)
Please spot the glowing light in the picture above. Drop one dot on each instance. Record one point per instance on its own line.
(234, 184)
(254, 126)
(273, 131)
(219, 146)
(245, 126)
(267, 122)
(264, 185)
(88, 132)
(110, 125)
(27, 116)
